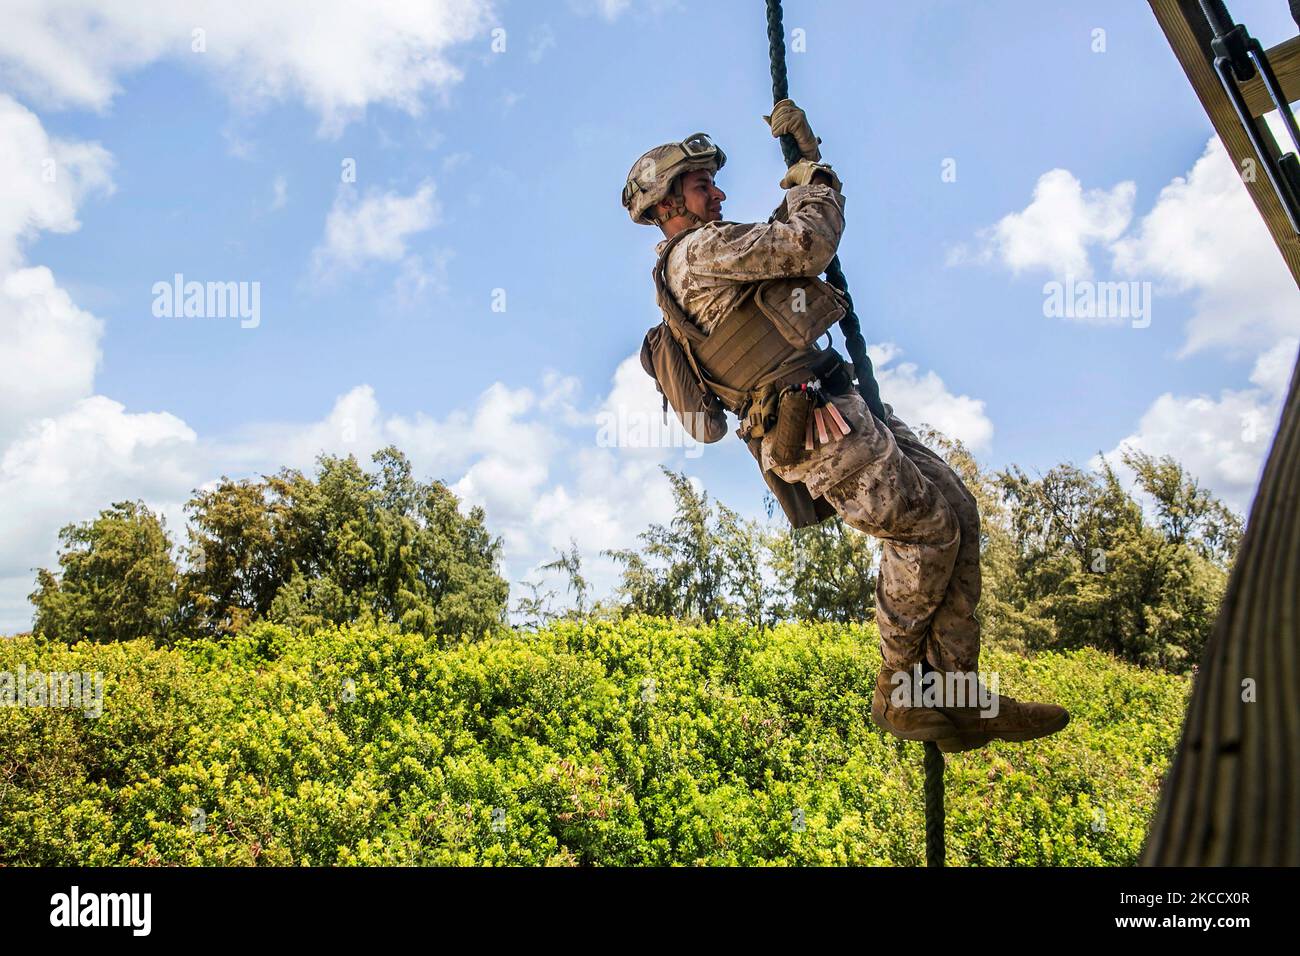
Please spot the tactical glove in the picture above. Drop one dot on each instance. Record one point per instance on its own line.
(788, 118)
(802, 172)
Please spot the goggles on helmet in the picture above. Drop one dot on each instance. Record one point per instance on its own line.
(695, 146)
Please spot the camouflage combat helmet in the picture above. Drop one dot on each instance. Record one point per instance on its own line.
(651, 179)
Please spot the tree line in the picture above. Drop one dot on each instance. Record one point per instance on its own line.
(345, 545)
(1069, 559)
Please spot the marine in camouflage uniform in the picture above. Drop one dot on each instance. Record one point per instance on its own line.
(879, 478)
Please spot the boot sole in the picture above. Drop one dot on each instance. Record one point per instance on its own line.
(1018, 736)
(935, 734)
(971, 740)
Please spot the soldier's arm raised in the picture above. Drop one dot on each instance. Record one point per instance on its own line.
(801, 245)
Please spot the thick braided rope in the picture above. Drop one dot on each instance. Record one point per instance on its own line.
(854, 342)
(934, 845)
(856, 345)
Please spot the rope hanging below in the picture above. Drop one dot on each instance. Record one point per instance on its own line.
(856, 345)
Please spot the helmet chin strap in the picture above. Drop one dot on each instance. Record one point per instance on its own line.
(677, 207)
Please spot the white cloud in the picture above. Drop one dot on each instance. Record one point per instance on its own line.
(633, 410)
(512, 452)
(352, 426)
(338, 57)
(1222, 442)
(514, 449)
(614, 491)
(71, 466)
(923, 398)
(42, 179)
(530, 457)
(559, 393)
(1204, 236)
(64, 452)
(376, 227)
(503, 453)
(1054, 232)
(48, 347)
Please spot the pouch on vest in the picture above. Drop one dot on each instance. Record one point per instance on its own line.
(698, 409)
(802, 308)
(791, 425)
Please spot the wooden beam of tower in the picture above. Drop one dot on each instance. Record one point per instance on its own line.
(1285, 60)
(1189, 35)
(1232, 795)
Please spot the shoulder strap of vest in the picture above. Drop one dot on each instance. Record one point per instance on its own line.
(681, 325)
(682, 328)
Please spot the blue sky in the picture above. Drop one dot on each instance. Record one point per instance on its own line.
(491, 177)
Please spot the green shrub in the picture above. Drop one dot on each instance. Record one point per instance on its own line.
(640, 742)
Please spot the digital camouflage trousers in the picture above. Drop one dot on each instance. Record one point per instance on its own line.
(928, 525)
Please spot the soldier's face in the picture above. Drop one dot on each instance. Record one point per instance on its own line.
(702, 195)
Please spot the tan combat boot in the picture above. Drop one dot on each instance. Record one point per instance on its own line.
(1011, 720)
(909, 723)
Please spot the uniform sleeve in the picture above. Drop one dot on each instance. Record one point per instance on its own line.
(801, 245)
